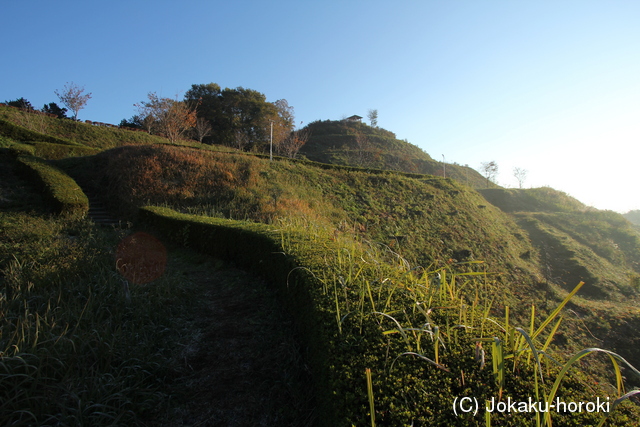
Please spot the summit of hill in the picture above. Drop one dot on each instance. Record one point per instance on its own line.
(351, 142)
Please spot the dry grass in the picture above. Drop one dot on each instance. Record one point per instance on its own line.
(218, 184)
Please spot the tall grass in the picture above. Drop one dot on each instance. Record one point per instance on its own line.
(75, 347)
(439, 316)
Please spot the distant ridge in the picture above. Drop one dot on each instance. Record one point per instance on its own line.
(351, 142)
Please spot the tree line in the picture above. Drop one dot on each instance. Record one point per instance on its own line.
(241, 118)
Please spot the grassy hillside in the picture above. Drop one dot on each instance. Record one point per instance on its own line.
(53, 138)
(573, 241)
(413, 271)
(633, 217)
(357, 144)
(429, 221)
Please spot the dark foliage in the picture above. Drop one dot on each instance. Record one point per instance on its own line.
(20, 103)
(53, 108)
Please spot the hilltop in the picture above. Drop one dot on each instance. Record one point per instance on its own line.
(362, 201)
(351, 142)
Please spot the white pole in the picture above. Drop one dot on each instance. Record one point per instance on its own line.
(271, 144)
(444, 167)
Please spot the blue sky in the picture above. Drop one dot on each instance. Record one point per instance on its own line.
(549, 86)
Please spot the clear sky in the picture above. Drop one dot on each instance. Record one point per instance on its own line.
(549, 86)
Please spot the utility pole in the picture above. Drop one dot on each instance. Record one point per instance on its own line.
(444, 167)
(271, 142)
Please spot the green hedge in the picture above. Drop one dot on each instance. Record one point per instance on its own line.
(414, 392)
(63, 192)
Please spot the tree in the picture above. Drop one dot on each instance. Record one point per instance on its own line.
(202, 128)
(249, 113)
(20, 103)
(521, 175)
(209, 99)
(241, 140)
(241, 113)
(373, 118)
(74, 98)
(171, 118)
(135, 122)
(53, 108)
(490, 170)
(292, 144)
(282, 126)
(178, 119)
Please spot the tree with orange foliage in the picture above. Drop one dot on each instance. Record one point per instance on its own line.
(168, 117)
(292, 143)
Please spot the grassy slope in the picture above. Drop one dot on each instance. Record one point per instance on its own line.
(577, 242)
(78, 348)
(633, 217)
(334, 142)
(427, 220)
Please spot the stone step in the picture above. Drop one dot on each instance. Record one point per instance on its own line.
(98, 211)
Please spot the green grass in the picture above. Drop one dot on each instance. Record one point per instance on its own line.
(543, 199)
(411, 278)
(334, 142)
(64, 194)
(76, 349)
(412, 330)
(54, 138)
(427, 220)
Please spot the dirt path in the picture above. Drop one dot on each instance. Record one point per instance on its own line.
(242, 365)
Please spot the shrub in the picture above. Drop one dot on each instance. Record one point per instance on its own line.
(65, 195)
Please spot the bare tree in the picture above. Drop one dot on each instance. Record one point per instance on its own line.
(33, 120)
(241, 139)
(74, 98)
(521, 175)
(373, 118)
(202, 128)
(292, 144)
(171, 117)
(490, 170)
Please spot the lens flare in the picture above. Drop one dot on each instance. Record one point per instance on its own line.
(141, 258)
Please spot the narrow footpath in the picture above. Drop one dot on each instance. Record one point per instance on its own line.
(242, 366)
(239, 362)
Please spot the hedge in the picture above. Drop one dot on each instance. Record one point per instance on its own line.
(337, 357)
(51, 151)
(62, 191)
